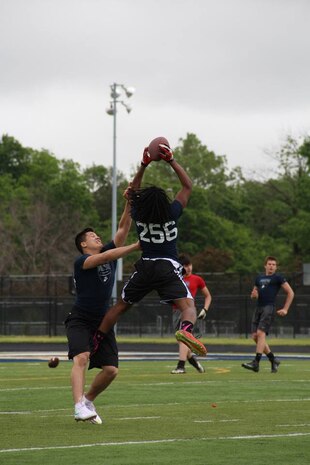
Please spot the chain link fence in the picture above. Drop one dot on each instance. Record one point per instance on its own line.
(38, 305)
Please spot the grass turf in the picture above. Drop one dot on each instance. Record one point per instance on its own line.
(226, 415)
(303, 342)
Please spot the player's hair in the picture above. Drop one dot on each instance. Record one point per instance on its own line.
(150, 205)
(270, 258)
(184, 259)
(80, 237)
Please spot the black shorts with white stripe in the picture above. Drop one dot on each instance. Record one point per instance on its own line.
(161, 275)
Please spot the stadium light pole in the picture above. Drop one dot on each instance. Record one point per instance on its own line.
(117, 91)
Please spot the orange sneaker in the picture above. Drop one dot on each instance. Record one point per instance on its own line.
(192, 343)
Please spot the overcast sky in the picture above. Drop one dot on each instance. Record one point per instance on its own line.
(234, 72)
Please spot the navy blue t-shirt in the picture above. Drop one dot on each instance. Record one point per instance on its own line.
(94, 285)
(160, 240)
(268, 287)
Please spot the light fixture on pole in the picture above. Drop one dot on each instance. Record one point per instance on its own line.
(116, 93)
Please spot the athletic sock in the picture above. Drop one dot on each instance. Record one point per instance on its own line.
(87, 402)
(187, 326)
(193, 362)
(258, 357)
(270, 356)
(79, 404)
(181, 364)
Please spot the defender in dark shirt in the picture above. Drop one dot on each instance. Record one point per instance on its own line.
(94, 276)
(265, 290)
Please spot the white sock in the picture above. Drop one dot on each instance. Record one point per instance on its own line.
(79, 404)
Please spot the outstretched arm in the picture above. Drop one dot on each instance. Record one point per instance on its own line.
(136, 182)
(109, 255)
(183, 195)
(125, 221)
(123, 227)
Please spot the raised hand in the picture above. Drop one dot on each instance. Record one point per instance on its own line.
(165, 153)
(146, 158)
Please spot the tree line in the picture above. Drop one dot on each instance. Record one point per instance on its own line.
(230, 224)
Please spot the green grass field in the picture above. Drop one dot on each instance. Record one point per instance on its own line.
(153, 417)
(278, 341)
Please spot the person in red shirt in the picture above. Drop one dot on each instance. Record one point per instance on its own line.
(194, 283)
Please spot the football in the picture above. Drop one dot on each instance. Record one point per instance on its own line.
(53, 362)
(154, 147)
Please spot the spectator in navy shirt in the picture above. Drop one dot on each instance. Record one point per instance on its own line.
(265, 290)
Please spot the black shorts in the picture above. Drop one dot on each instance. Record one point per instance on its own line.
(161, 275)
(263, 318)
(80, 329)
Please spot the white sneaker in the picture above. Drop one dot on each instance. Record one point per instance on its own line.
(96, 420)
(82, 413)
(200, 368)
(178, 371)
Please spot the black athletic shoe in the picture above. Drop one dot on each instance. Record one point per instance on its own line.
(275, 365)
(254, 366)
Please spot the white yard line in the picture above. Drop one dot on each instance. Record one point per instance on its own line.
(136, 418)
(300, 425)
(159, 441)
(216, 421)
(252, 401)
